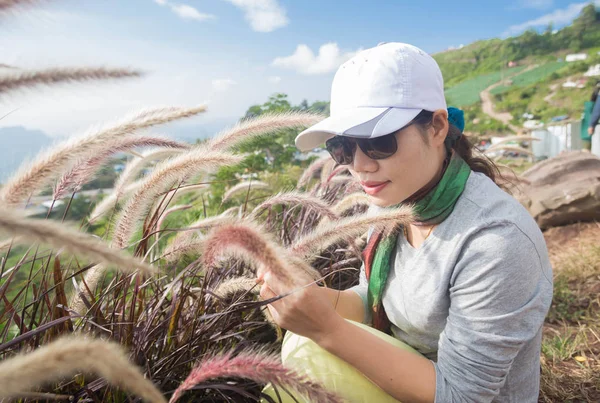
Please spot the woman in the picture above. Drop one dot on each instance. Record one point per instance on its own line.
(591, 116)
(467, 285)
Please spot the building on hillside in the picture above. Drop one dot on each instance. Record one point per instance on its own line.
(593, 71)
(573, 57)
(512, 64)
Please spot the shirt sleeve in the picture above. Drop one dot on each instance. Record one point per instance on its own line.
(500, 293)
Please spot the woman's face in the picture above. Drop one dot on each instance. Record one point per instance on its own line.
(416, 163)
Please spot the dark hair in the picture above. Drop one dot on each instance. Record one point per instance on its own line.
(461, 145)
(595, 92)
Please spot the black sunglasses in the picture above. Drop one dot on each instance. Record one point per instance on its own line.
(342, 148)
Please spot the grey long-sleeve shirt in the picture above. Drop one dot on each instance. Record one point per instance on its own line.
(473, 298)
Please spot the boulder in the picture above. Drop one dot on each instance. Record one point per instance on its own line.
(562, 190)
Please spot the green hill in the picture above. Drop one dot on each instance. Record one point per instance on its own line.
(534, 84)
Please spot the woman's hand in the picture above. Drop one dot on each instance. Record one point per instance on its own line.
(306, 311)
(591, 130)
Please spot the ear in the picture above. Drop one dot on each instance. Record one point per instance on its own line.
(440, 126)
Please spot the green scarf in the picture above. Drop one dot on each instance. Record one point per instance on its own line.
(433, 208)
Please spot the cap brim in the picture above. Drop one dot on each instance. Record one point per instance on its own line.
(365, 122)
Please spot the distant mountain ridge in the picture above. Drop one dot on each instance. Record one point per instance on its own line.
(18, 144)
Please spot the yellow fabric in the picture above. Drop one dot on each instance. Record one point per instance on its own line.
(306, 357)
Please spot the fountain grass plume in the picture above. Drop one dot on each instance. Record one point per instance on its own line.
(260, 367)
(327, 169)
(353, 199)
(336, 171)
(24, 79)
(84, 170)
(27, 230)
(236, 284)
(311, 170)
(262, 125)
(295, 198)
(244, 187)
(111, 201)
(68, 356)
(133, 168)
(170, 210)
(248, 241)
(186, 241)
(32, 177)
(163, 177)
(344, 228)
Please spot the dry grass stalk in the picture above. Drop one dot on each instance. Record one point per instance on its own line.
(86, 168)
(111, 201)
(174, 251)
(58, 236)
(236, 284)
(137, 164)
(162, 178)
(21, 79)
(245, 187)
(68, 356)
(510, 139)
(295, 198)
(262, 125)
(175, 194)
(248, 241)
(351, 201)
(50, 164)
(336, 171)
(170, 210)
(344, 228)
(246, 284)
(185, 241)
(311, 170)
(260, 367)
(341, 180)
(327, 170)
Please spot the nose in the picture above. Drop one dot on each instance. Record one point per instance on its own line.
(362, 163)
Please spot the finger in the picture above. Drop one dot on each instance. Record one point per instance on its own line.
(274, 283)
(266, 292)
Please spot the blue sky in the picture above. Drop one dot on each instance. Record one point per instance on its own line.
(228, 53)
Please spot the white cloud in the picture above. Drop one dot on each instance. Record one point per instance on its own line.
(185, 11)
(304, 61)
(556, 17)
(274, 79)
(263, 15)
(190, 13)
(223, 84)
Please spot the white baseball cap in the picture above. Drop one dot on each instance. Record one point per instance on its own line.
(377, 92)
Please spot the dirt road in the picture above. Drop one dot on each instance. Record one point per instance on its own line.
(487, 104)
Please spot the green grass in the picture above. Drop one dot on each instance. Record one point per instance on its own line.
(467, 92)
(530, 77)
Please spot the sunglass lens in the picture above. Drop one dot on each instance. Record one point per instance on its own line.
(379, 148)
(341, 149)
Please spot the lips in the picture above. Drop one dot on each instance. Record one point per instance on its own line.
(371, 188)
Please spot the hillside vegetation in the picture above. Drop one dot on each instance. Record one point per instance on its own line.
(534, 82)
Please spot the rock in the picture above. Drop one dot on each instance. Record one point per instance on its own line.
(562, 190)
